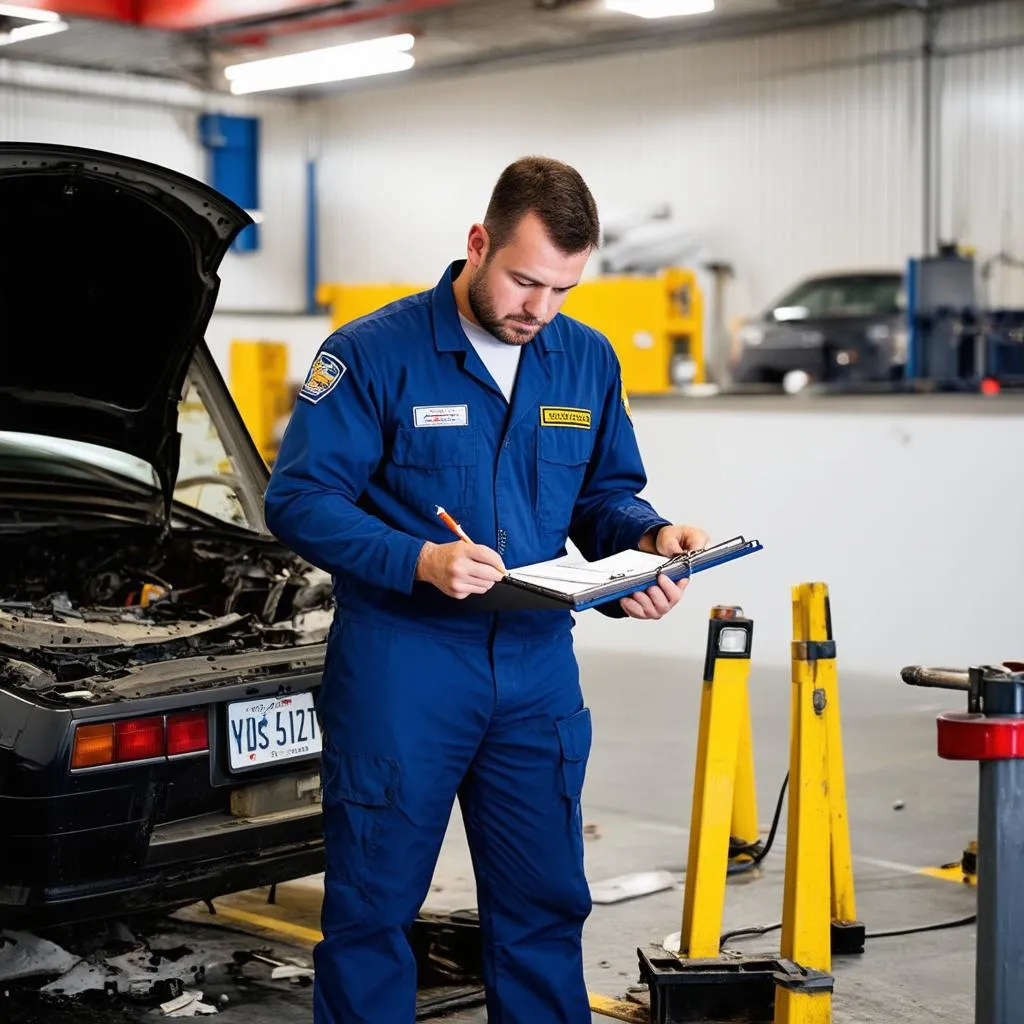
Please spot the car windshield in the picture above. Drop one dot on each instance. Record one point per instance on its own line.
(205, 478)
(847, 295)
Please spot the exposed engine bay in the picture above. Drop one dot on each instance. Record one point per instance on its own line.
(76, 605)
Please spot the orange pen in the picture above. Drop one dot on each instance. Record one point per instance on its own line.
(451, 524)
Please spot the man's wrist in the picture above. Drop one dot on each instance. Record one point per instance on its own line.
(425, 550)
(649, 540)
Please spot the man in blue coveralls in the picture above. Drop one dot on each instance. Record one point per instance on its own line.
(479, 396)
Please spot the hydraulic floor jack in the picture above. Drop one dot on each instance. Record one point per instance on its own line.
(991, 732)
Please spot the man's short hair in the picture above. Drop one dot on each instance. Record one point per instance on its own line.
(552, 190)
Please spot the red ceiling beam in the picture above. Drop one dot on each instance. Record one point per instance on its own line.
(174, 15)
(111, 10)
(186, 15)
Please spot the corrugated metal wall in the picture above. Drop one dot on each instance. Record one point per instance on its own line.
(271, 279)
(981, 140)
(788, 154)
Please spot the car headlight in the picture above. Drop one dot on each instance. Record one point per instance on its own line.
(751, 334)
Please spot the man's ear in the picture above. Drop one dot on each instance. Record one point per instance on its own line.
(478, 245)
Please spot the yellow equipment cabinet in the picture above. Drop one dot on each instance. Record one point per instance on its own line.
(257, 380)
(348, 302)
(655, 324)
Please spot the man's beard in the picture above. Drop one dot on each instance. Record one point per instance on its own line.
(486, 316)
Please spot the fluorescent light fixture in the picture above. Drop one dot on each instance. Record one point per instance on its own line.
(332, 64)
(34, 31)
(660, 8)
(27, 13)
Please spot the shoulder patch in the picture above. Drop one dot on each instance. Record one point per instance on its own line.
(322, 378)
(625, 402)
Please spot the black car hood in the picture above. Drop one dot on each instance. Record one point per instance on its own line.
(108, 277)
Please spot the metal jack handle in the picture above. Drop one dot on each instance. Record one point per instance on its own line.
(991, 732)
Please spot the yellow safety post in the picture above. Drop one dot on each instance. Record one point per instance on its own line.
(724, 701)
(813, 852)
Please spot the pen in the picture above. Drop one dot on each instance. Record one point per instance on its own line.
(451, 524)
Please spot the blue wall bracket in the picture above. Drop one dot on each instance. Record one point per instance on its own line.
(232, 146)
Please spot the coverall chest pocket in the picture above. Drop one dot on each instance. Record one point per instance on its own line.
(562, 457)
(434, 466)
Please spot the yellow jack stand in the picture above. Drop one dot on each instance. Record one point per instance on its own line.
(697, 983)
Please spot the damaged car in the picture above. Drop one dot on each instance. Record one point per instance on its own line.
(160, 652)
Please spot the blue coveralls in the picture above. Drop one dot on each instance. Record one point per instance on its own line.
(424, 699)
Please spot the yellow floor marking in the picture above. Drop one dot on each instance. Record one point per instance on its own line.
(949, 873)
(619, 1010)
(270, 924)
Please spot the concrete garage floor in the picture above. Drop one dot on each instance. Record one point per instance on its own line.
(638, 799)
(637, 803)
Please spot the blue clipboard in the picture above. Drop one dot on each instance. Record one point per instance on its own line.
(512, 594)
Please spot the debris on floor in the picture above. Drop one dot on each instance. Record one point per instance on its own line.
(24, 956)
(188, 1004)
(628, 887)
(166, 973)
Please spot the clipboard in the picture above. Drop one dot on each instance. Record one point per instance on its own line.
(574, 584)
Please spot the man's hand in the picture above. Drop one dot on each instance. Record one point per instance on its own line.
(673, 540)
(659, 600)
(459, 569)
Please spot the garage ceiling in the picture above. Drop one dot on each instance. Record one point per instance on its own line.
(193, 40)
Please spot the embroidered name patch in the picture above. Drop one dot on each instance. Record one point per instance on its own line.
(323, 377)
(555, 416)
(440, 415)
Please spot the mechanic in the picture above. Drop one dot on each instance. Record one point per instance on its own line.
(478, 396)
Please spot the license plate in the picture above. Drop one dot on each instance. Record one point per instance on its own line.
(271, 730)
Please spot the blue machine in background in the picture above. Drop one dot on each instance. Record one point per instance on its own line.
(953, 343)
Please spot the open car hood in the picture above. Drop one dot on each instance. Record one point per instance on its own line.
(108, 277)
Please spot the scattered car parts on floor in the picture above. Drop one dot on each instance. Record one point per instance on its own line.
(169, 968)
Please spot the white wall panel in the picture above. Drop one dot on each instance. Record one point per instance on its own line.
(888, 502)
(788, 153)
(270, 279)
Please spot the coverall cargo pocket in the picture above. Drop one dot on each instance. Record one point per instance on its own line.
(358, 791)
(434, 465)
(562, 457)
(575, 734)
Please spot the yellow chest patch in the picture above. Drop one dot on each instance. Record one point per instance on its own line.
(558, 416)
